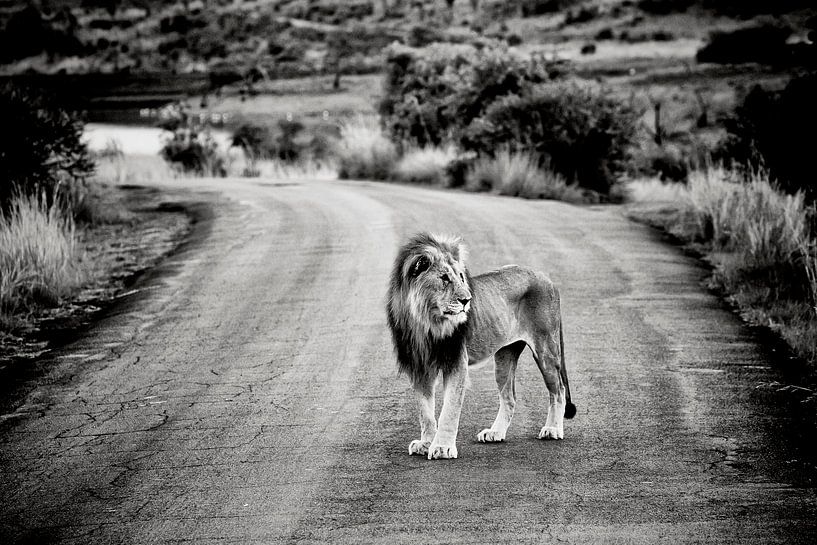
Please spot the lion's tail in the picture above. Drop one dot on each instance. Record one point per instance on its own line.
(570, 408)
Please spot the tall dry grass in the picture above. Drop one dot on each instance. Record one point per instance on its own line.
(752, 218)
(39, 260)
(364, 151)
(426, 165)
(519, 174)
(761, 240)
(132, 169)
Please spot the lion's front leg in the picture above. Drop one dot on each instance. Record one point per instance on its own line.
(428, 423)
(444, 443)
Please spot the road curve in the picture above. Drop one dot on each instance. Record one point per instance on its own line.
(248, 393)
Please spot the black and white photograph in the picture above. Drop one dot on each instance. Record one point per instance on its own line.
(408, 271)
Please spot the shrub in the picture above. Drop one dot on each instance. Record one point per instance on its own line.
(190, 146)
(38, 255)
(432, 94)
(584, 133)
(364, 151)
(253, 139)
(41, 146)
(427, 165)
(776, 130)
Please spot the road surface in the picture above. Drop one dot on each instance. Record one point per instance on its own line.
(248, 393)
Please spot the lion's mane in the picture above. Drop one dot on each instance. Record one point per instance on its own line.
(422, 347)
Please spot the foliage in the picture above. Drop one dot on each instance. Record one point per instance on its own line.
(432, 94)
(582, 132)
(776, 130)
(255, 140)
(38, 255)
(27, 32)
(190, 146)
(364, 151)
(486, 98)
(41, 146)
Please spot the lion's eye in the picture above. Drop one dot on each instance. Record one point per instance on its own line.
(446, 279)
(462, 277)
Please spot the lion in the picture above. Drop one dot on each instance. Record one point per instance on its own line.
(443, 321)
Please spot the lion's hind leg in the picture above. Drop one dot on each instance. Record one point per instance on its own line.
(505, 359)
(547, 354)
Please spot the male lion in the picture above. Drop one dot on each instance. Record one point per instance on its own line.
(443, 320)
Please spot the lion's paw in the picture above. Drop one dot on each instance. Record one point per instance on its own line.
(439, 452)
(419, 447)
(490, 436)
(551, 432)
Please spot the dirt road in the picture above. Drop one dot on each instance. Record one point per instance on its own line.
(248, 393)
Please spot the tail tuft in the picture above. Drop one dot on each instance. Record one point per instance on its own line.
(570, 410)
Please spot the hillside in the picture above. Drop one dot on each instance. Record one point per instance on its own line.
(270, 39)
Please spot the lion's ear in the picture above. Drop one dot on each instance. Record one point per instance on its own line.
(420, 266)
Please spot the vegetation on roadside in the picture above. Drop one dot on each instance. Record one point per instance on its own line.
(761, 241)
(45, 194)
(189, 145)
(364, 151)
(775, 130)
(41, 149)
(39, 261)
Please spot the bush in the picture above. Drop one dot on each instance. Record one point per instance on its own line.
(583, 133)
(425, 165)
(190, 146)
(432, 94)
(765, 44)
(483, 99)
(41, 147)
(38, 255)
(255, 140)
(776, 130)
(364, 151)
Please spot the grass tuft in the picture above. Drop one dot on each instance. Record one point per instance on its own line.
(364, 151)
(39, 262)
(518, 174)
(426, 165)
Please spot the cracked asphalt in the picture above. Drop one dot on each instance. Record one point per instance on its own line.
(247, 393)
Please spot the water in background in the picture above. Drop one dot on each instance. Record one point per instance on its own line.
(135, 140)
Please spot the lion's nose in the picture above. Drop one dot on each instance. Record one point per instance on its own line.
(464, 302)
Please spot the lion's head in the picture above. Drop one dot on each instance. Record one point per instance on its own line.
(429, 301)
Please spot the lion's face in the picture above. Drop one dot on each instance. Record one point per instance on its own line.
(439, 295)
